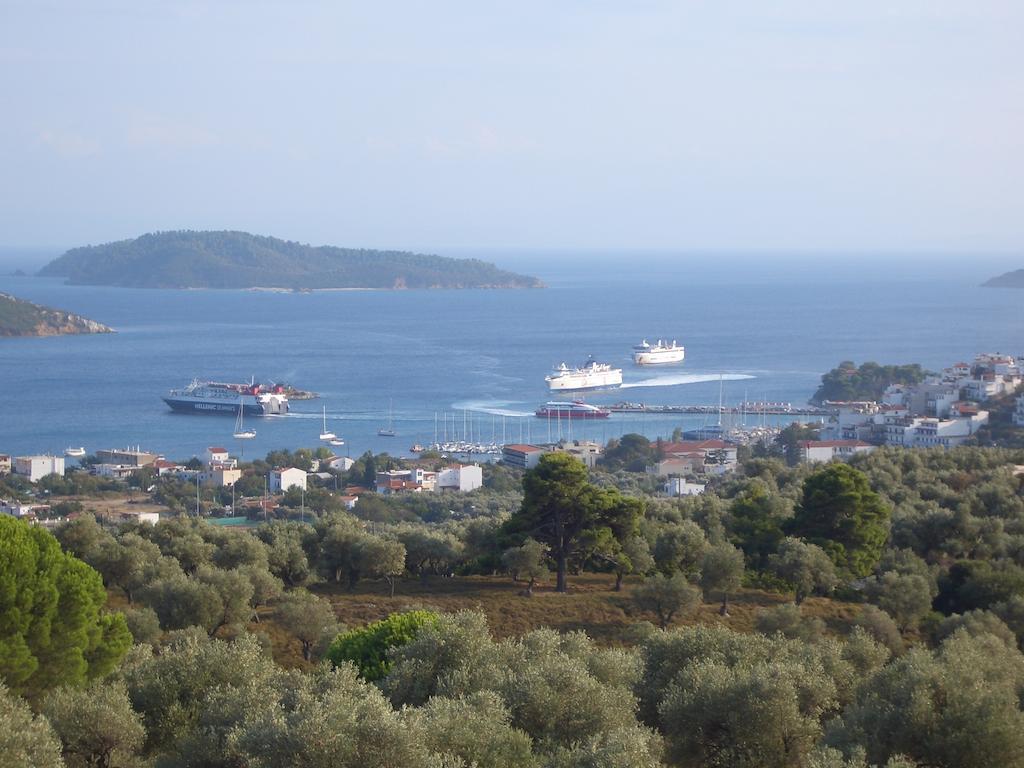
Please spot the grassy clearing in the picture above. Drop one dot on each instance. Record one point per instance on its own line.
(591, 606)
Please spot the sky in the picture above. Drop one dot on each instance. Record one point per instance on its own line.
(578, 124)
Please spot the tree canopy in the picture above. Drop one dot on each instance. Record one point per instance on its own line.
(561, 507)
(53, 630)
(841, 514)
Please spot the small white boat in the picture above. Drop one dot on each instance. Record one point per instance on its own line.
(241, 433)
(337, 441)
(74, 452)
(325, 435)
(389, 430)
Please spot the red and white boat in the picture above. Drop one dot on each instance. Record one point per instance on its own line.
(577, 409)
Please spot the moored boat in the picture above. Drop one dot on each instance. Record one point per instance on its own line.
(660, 353)
(577, 409)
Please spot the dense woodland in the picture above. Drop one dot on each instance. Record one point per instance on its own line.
(868, 381)
(190, 259)
(890, 634)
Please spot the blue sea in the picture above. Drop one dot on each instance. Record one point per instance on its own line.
(760, 326)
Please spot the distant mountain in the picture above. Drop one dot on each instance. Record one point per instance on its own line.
(1013, 279)
(189, 259)
(23, 318)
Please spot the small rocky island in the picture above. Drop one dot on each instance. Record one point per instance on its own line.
(23, 318)
(187, 259)
(1014, 279)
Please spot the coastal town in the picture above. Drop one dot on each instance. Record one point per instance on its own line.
(944, 410)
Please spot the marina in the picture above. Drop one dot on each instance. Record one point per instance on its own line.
(752, 409)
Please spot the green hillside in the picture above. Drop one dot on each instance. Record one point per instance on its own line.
(187, 259)
(23, 318)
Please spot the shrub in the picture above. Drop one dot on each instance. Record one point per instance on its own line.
(367, 647)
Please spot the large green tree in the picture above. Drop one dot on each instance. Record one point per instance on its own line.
(842, 515)
(561, 508)
(53, 630)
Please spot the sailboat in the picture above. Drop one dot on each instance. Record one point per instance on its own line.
(325, 435)
(241, 433)
(74, 452)
(389, 430)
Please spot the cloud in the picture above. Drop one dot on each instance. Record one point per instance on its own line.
(68, 143)
(157, 130)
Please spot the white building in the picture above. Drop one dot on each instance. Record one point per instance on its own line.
(221, 476)
(460, 478)
(1018, 414)
(827, 450)
(927, 432)
(677, 486)
(586, 451)
(218, 458)
(280, 480)
(855, 419)
(116, 471)
(134, 457)
(36, 468)
(415, 480)
(18, 509)
(522, 456)
(340, 463)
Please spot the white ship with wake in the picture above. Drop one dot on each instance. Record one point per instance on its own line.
(590, 375)
(660, 353)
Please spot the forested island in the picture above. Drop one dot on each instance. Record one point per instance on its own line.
(1014, 279)
(224, 259)
(848, 381)
(23, 318)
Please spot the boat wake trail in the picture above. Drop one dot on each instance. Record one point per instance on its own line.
(494, 407)
(672, 380)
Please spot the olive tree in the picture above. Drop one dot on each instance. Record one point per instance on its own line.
(665, 596)
(722, 572)
(526, 561)
(25, 740)
(806, 567)
(905, 597)
(96, 725)
(956, 707)
(309, 618)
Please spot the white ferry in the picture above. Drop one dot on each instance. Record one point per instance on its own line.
(590, 375)
(577, 409)
(658, 354)
(219, 397)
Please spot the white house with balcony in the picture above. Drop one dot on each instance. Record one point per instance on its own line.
(281, 480)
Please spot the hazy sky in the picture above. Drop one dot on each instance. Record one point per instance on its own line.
(766, 124)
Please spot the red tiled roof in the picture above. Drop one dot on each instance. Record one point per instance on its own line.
(215, 449)
(523, 448)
